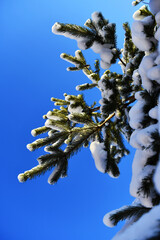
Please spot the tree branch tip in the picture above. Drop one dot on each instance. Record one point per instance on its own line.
(21, 178)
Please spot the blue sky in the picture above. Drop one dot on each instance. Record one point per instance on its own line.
(31, 73)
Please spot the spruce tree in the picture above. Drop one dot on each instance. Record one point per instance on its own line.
(129, 108)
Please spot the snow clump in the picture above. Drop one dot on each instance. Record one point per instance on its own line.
(99, 155)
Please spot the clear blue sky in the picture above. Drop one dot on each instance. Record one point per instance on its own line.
(31, 73)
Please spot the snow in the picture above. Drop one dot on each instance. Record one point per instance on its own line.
(136, 115)
(154, 6)
(46, 149)
(156, 177)
(133, 140)
(33, 133)
(104, 49)
(146, 202)
(77, 109)
(146, 45)
(138, 96)
(51, 115)
(92, 77)
(95, 17)
(111, 174)
(142, 138)
(147, 170)
(148, 20)
(139, 37)
(30, 147)
(137, 15)
(159, 47)
(138, 29)
(154, 73)
(105, 52)
(157, 18)
(77, 88)
(67, 98)
(78, 54)
(71, 109)
(144, 135)
(135, 2)
(51, 133)
(159, 113)
(101, 83)
(157, 34)
(136, 77)
(139, 162)
(146, 82)
(145, 228)
(50, 124)
(99, 155)
(97, 47)
(104, 65)
(107, 221)
(105, 92)
(82, 44)
(51, 176)
(153, 113)
(122, 65)
(146, 64)
(56, 27)
(106, 55)
(81, 41)
(21, 178)
(157, 60)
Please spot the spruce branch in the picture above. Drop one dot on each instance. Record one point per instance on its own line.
(59, 171)
(80, 64)
(122, 61)
(78, 137)
(72, 29)
(146, 186)
(131, 98)
(81, 118)
(86, 86)
(37, 131)
(99, 32)
(46, 141)
(127, 212)
(79, 140)
(59, 101)
(106, 120)
(54, 155)
(95, 109)
(74, 124)
(36, 171)
(135, 3)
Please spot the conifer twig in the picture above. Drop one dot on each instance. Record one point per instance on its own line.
(107, 119)
(112, 114)
(122, 61)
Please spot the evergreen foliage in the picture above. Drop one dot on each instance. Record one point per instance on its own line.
(129, 108)
(127, 212)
